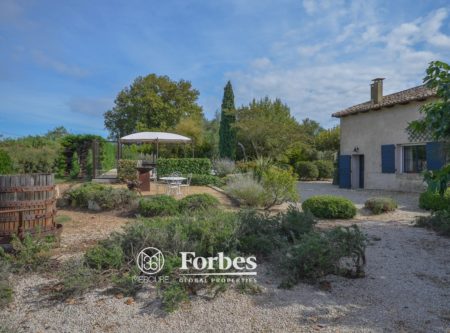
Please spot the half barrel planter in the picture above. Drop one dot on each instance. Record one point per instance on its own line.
(27, 205)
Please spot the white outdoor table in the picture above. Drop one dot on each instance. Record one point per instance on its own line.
(173, 181)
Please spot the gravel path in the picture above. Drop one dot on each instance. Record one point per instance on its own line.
(407, 289)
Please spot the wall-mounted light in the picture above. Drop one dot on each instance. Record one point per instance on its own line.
(356, 149)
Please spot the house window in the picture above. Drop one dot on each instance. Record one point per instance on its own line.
(414, 159)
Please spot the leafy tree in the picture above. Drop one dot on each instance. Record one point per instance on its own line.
(266, 128)
(57, 133)
(436, 119)
(328, 140)
(227, 132)
(310, 128)
(152, 102)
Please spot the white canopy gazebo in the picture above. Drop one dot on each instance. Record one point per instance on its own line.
(154, 137)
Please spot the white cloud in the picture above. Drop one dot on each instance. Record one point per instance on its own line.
(319, 76)
(58, 66)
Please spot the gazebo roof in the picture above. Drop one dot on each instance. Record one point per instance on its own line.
(163, 137)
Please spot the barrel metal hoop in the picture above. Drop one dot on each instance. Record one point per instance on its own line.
(26, 203)
(27, 189)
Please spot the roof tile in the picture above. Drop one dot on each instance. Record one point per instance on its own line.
(413, 94)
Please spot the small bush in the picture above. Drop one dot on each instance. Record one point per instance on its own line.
(306, 170)
(195, 202)
(381, 205)
(280, 186)
(246, 189)
(246, 167)
(258, 233)
(104, 257)
(330, 207)
(76, 278)
(339, 251)
(6, 289)
(29, 254)
(325, 168)
(126, 171)
(106, 197)
(173, 295)
(224, 166)
(6, 163)
(295, 223)
(158, 205)
(262, 234)
(203, 180)
(438, 221)
(430, 200)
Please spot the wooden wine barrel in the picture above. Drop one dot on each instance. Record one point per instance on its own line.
(27, 205)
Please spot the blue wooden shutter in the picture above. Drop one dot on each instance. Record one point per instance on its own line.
(345, 171)
(435, 155)
(388, 158)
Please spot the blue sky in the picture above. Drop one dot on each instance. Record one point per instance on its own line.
(63, 62)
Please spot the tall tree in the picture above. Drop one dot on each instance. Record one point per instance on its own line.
(436, 120)
(227, 130)
(152, 102)
(266, 128)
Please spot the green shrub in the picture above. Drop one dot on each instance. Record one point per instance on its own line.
(76, 278)
(203, 180)
(280, 186)
(246, 189)
(330, 207)
(6, 163)
(29, 254)
(172, 295)
(258, 233)
(246, 167)
(199, 166)
(126, 171)
(224, 166)
(325, 168)
(340, 251)
(158, 205)
(433, 201)
(295, 223)
(306, 170)
(104, 257)
(106, 197)
(6, 289)
(381, 205)
(262, 234)
(438, 221)
(196, 202)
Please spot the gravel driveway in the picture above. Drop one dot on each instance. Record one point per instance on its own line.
(407, 201)
(406, 289)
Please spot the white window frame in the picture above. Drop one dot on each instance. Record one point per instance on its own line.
(402, 156)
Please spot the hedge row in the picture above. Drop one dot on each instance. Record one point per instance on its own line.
(198, 166)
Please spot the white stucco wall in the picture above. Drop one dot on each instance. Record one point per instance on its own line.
(369, 131)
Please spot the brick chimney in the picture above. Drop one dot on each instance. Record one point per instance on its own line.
(376, 90)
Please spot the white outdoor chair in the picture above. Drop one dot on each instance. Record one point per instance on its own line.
(174, 186)
(188, 183)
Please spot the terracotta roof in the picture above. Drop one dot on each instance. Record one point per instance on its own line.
(419, 93)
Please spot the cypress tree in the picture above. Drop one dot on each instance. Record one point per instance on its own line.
(227, 132)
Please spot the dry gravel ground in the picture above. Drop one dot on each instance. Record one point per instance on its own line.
(406, 289)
